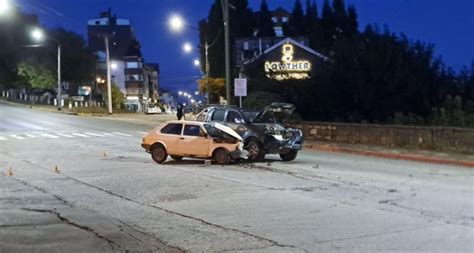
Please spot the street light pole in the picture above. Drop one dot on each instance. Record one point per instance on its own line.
(225, 15)
(207, 71)
(59, 77)
(109, 86)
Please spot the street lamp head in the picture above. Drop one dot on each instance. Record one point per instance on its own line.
(180, 92)
(196, 93)
(37, 34)
(187, 48)
(113, 66)
(4, 7)
(197, 63)
(189, 96)
(176, 23)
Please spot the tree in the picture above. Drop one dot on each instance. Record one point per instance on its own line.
(117, 97)
(14, 33)
(77, 61)
(36, 75)
(216, 88)
(296, 24)
(311, 17)
(264, 21)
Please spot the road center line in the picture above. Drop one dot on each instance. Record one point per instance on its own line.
(94, 134)
(3, 138)
(17, 137)
(65, 135)
(81, 135)
(107, 134)
(122, 134)
(50, 136)
(140, 132)
(30, 135)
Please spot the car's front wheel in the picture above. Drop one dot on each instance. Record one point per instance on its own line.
(255, 151)
(290, 156)
(221, 156)
(158, 153)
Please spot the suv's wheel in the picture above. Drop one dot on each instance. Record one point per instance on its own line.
(158, 153)
(221, 156)
(255, 150)
(176, 157)
(290, 156)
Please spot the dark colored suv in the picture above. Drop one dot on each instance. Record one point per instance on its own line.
(261, 132)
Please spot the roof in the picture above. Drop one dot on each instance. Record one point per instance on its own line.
(290, 40)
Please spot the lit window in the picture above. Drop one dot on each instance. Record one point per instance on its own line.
(285, 19)
(278, 31)
(134, 77)
(275, 19)
(246, 45)
(134, 65)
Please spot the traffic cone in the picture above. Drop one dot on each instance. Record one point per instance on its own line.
(10, 171)
(56, 169)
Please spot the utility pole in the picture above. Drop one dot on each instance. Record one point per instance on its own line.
(207, 71)
(59, 77)
(225, 15)
(109, 88)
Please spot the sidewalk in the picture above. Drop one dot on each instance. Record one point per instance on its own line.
(425, 156)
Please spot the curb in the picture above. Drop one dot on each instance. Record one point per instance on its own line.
(379, 154)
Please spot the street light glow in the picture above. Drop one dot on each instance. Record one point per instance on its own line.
(4, 6)
(197, 63)
(176, 23)
(113, 65)
(37, 34)
(180, 92)
(187, 48)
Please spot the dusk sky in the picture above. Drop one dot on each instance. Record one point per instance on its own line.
(449, 25)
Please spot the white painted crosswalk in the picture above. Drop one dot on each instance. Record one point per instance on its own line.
(64, 135)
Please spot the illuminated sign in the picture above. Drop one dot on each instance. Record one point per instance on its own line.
(288, 68)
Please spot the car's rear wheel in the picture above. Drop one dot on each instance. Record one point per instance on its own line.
(158, 153)
(221, 156)
(176, 157)
(290, 156)
(255, 150)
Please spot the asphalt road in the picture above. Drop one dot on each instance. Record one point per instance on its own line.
(108, 195)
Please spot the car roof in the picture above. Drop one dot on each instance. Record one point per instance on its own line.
(184, 122)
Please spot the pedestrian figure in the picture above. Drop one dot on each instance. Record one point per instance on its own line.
(179, 113)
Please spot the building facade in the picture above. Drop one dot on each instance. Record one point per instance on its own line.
(128, 69)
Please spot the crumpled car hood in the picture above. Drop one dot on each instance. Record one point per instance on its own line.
(284, 109)
(227, 130)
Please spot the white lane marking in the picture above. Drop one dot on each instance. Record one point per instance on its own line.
(122, 134)
(30, 135)
(93, 134)
(17, 136)
(140, 132)
(50, 136)
(3, 138)
(81, 135)
(107, 134)
(65, 135)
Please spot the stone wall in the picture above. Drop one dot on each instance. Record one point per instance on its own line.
(432, 138)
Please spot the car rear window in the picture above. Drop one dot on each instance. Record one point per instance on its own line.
(191, 130)
(234, 117)
(218, 115)
(173, 128)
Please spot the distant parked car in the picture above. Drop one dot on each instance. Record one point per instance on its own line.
(152, 110)
(180, 139)
(261, 130)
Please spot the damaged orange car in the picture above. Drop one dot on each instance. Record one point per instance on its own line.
(193, 139)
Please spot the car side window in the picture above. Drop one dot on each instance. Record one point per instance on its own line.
(234, 117)
(218, 115)
(172, 128)
(191, 130)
